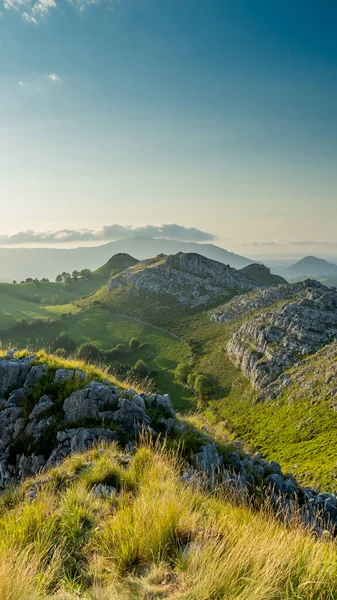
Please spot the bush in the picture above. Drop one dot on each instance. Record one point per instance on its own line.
(61, 352)
(141, 368)
(121, 348)
(89, 352)
(182, 372)
(64, 341)
(203, 385)
(134, 344)
(191, 379)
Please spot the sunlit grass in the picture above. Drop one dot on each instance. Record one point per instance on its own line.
(157, 538)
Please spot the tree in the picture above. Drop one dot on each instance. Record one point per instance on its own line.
(59, 279)
(43, 301)
(36, 282)
(14, 281)
(86, 274)
(64, 341)
(134, 344)
(141, 368)
(75, 275)
(89, 352)
(29, 280)
(56, 299)
(182, 372)
(203, 386)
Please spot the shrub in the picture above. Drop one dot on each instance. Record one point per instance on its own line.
(64, 341)
(134, 344)
(191, 379)
(61, 352)
(141, 368)
(182, 372)
(89, 352)
(121, 348)
(203, 386)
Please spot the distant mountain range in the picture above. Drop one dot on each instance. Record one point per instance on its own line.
(311, 266)
(19, 263)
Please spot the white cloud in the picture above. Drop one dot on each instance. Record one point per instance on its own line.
(35, 11)
(21, 84)
(53, 77)
(106, 233)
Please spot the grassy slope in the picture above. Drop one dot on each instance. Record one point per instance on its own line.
(160, 350)
(154, 539)
(293, 430)
(23, 300)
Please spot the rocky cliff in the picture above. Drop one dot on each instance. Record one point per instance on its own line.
(189, 279)
(273, 340)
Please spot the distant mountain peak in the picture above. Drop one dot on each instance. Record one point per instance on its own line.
(313, 266)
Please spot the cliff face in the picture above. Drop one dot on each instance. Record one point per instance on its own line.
(272, 341)
(190, 279)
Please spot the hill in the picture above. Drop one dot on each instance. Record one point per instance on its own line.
(187, 279)
(311, 266)
(144, 521)
(19, 263)
(262, 274)
(116, 264)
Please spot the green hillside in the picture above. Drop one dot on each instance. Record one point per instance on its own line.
(160, 350)
(262, 274)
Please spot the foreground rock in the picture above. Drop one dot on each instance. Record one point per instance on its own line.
(35, 439)
(41, 432)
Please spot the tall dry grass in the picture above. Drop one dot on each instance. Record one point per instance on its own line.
(157, 538)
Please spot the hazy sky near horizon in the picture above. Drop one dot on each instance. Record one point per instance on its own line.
(216, 114)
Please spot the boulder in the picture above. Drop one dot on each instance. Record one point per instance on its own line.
(88, 402)
(208, 459)
(35, 374)
(13, 373)
(129, 415)
(44, 404)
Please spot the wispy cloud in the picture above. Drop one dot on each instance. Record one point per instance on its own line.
(53, 77)
(295, 243)
(35, 11)
(32, 11)
(106, 233)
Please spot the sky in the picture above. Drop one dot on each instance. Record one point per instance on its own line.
(216, 115)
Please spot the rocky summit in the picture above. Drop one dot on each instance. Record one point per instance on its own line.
(189, 279)
(270, 342)
(47, 414)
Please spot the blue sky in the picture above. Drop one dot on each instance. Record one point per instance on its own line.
(216, 114)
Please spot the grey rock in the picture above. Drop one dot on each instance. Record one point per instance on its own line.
(35, 374)
(129, 415)
(87, 403)
(43, 405)
(16, 397)
(63, 375)
(103, 491)
(13, 373)
(207, 460)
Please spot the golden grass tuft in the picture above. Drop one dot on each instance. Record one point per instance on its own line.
(156, 539)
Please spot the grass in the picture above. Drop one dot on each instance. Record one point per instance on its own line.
(160, 350)
(156, 538)
(297, 430)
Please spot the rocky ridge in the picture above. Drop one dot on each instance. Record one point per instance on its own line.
(270, 342)
(96, 411)
(190, 279)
